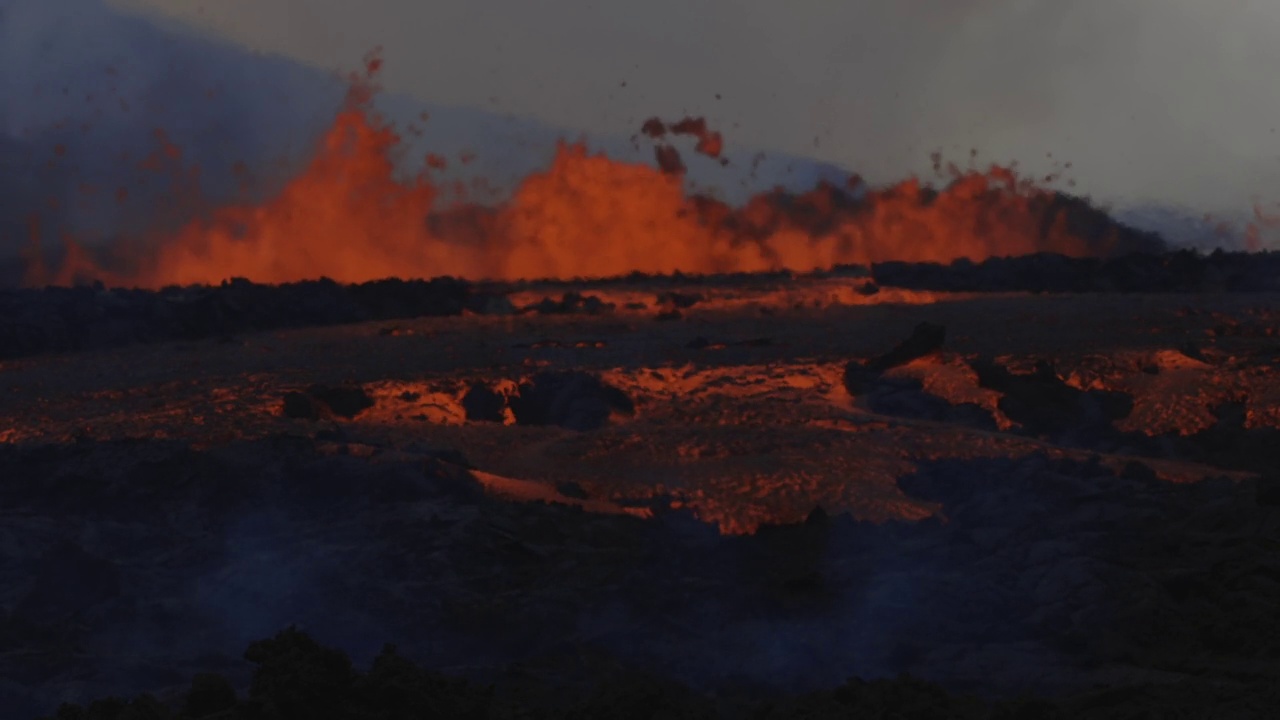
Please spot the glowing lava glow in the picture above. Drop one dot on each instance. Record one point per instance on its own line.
(348, 217)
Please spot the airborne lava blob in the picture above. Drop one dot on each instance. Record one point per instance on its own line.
(348, 217)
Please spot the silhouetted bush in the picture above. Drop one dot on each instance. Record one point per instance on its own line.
(299, 679)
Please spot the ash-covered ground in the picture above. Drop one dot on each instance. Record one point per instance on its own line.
(1035, 478)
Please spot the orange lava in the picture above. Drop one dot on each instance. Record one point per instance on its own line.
(348, 217)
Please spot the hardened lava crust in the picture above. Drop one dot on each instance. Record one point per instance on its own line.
(1033, 487)
(93, 317)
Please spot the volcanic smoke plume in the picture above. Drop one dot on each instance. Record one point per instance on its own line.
(348, 216)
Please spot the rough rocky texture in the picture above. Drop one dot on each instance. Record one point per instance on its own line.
(321, 401)
(1180, 271)
(927, 338)
(569, 399)
(35, 321)
(750, 539)
(1039, 576)
(92, 318)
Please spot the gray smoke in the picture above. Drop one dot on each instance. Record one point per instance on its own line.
(1155, 102)
(85, 88)
(873, 87)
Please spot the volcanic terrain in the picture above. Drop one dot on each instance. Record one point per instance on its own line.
(753, 486)
(974, 451)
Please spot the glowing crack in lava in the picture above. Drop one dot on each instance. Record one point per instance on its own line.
(348, 217)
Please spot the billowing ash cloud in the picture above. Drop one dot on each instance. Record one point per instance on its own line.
(1166, 102)
(86, 92)
(119, 125)
(114, 124)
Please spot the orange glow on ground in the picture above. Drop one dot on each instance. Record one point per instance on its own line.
(349, 217)
(739, 433)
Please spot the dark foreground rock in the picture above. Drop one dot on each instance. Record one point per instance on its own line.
(925, 339)
(565, 398)
(320, 402)
(136, 566)
(1045, 405)
(482, 403)
(570, 399)
(906, 396)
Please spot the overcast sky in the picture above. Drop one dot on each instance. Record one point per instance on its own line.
(1172, 101)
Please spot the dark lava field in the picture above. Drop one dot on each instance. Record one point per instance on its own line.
(1025, 488)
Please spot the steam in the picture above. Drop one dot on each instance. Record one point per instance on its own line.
(86, 88)
(1160, 133)
(1164, 103)
(86, 91)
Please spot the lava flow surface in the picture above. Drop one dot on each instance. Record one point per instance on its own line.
(751, 486)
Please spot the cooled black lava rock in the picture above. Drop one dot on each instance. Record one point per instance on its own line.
(571, 303)
(907, 398)
(788, 558)
(93, 317)
(482, 403)
(678, 300)
(321, 401)
(1045, 405)
(1042, 569)
(925, 339)
(1268, 491)
(572, 489)
(300, 406)
(34, 321)
(408, 298)
(67, 581)
(1142, 269)
(490, 303)
(570, 399)
(1138, 470)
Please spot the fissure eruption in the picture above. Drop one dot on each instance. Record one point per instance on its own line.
(350, 217)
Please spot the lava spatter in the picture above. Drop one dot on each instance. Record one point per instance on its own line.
(349, 216)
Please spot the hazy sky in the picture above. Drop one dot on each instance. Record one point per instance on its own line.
(1151, 100)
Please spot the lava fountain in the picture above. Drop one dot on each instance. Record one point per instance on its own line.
(349, 217)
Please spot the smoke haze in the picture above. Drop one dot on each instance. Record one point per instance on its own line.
(1163, 108)
(1153, 101)
(86, 87)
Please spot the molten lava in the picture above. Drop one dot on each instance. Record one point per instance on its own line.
(348, 217)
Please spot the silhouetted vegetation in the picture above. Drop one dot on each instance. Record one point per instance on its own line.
(296, 678)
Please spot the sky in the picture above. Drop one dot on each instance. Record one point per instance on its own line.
(1164, 102)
